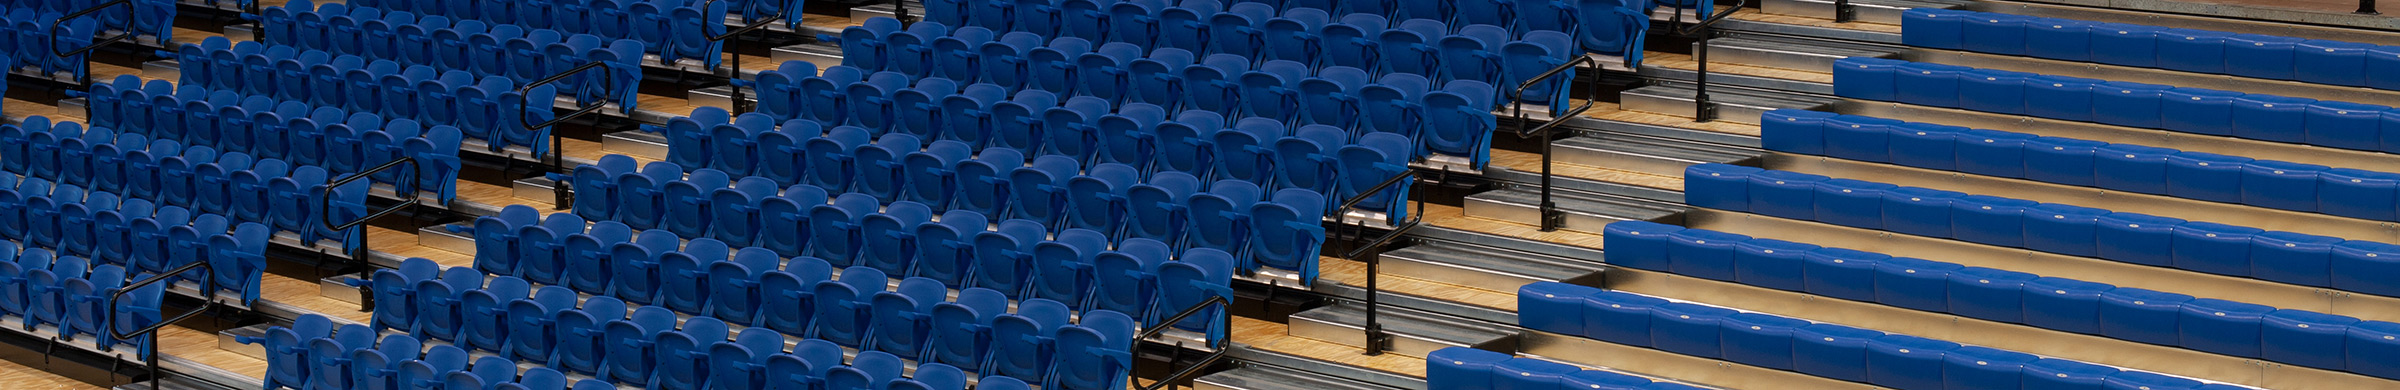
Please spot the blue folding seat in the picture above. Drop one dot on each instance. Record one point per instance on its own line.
(2137, 238)
(1914, 283)
(1239, 29)
(870, 102)
(530, 334)
(885, 239)
(945, 250)
(1619, 317)
(1719, 186)
(636, 278)
(1470, 53)
(1841, 273)
(911, 50)
(1129, 136)
(1993, 90)
(1994, 33)
(2206, 176)
(1867, 78)
(879, 165)
(958, 330)
(1703, 253)
(1928, 84)
(2144, 380)
(1352, 41)
(1003, 257)
(868, 42)
(2356, 193)
(1242, 151)
(2125, 44)
(641, 203)
(1410, 46)
(2142, 316)
(1101, 194)
(1394, 105)
(1199, 274)
(1989, 220)
(2214, 248)
(1003, 61)
(1991, 294)
(539, 257)
(1775, 264)
(1062, 267)
(2369, 348)
(1924, 145)
(682, 353)
(1286, 231)
(2134, 168)
(1294, 36)
(2356, 262)
(1017, 123)
(2066, 161)
(436, 302)
(1784, 194)
(84, 300)
(733, 285)
(2064, 304)
(842, 306)
(2202, 111)
(1934, 27)
(2271, 118)
(1794, 131)
(2189, 50)
(1021, 341)
(2221, 326)
(1918, 211)
(1463, 368)
(578, 334)
(2060, 97)
(496, 238)
(1185, 26)
(1981, 368)
(834, 157)
(1689, 329)
(2128, 103)
(1907, 362)
(1554, 307)
(485, 313)
(687, 201)
(2330, 62)
(2063, 229)
(900, 318)
(1103, 71)
(835, 228)
(1052, 67)
(1992, 152)
(1037, 190)
(2344, 125)
(1859, 138)
(1760, 339)
(1639, 244)
(823, 98)
(1832, 351)
(1332, 97)
(734, 146)
(788, 296)
(2305, 338)
(1529, 374)
(2293, 258)
(1267, 90)
(1101, 337)
(2281, 185)
(2065, 374)
(1070, 130)
(1124, 280)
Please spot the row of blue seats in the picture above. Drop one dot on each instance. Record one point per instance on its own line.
(317, 355)
(1465, 368)
(1453, 119)
(1825, 350)
(2331, 124)
(488, 108)
(2227, 327)
(30, 45)
(1042, 342)
(1604, 26)
(133, 234)
(487, 51)
(2214, 248)
(154, 18)
(704, 276)
(1304, 41)
(158, 115)
(999, 182)
(1279, 229)
(68, 292)
(673, 30)
(2312, 188)
(2203, 51)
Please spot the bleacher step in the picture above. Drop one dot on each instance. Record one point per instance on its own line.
(1869, 11)
(1266, 377)
(162, 69)
(1483, 267)
(228, 340)
(438, 238)
(886, 10)
(635, 143)
(1732, 106)
(1784, 53)
(1643, 154)
(1413, 334)
(334, 287)
(824, 55)
(534, 188)
(169, 383)
(1583, 213)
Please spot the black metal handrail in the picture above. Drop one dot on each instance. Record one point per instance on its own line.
(208, 287)
(1702, 109)
(735, 46)
(564, 197)
(1377, 339)
(406, 190)
(84, 78)
(1551, 217)
(1224, 321)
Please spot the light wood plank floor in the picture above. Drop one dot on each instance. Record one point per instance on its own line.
(20, 377)
(1352, 273)
(198, 346)
(1276, 337)
(1456, 218)
(1529, 162)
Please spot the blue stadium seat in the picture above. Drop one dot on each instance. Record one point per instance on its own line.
(1640, 244)
(836, 228)
(1918, 211)
(1784, 194)
(1003, 257)
(945, 250)
(1906, 362)
(733, 293)
(1004, 60)
(1850, 202)
(2214, 248)
(842, 307)
(1703, 253)
(2356, 193)
(1760, 339)
(2125, 44)
(1928, 84)
(2061, 160)
(2064, 304)
(1989, 220)
(1391, 103)
(1771, 263)
(1980, 368)
(1462, 368)
(1125, 280)
(1991, 294)
(2140, 380)
(783, 220)
(788, 296)
(1689, 329)
(1832, 351)
(1620, 318)
(2330, 62)
(1842, 273)
(1206, 273)
(2294, 258)
(958, 327)
(1934, 27)
(2135, 168)
(1992, 90)
(1914, 283)
(2354, 263)
(1553, 307)
(2060, 97)
(2065, 374)
(1063, 265)
(2344, 125)
(1992, 152)
(2305, 338)
(1604, 380)
(2202, 111)
(983, 181)
(1859, 138)
(1995, 33)
(531, 335)
(2128, 104)
(930, 176)
(1457, 122)
(1021, 341)
(2205, 176)
(2271, 118)
(899, 322)
(2063, 229)
(1794, 131)
(2220, 326)
(2261, 56)
(578, 334)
